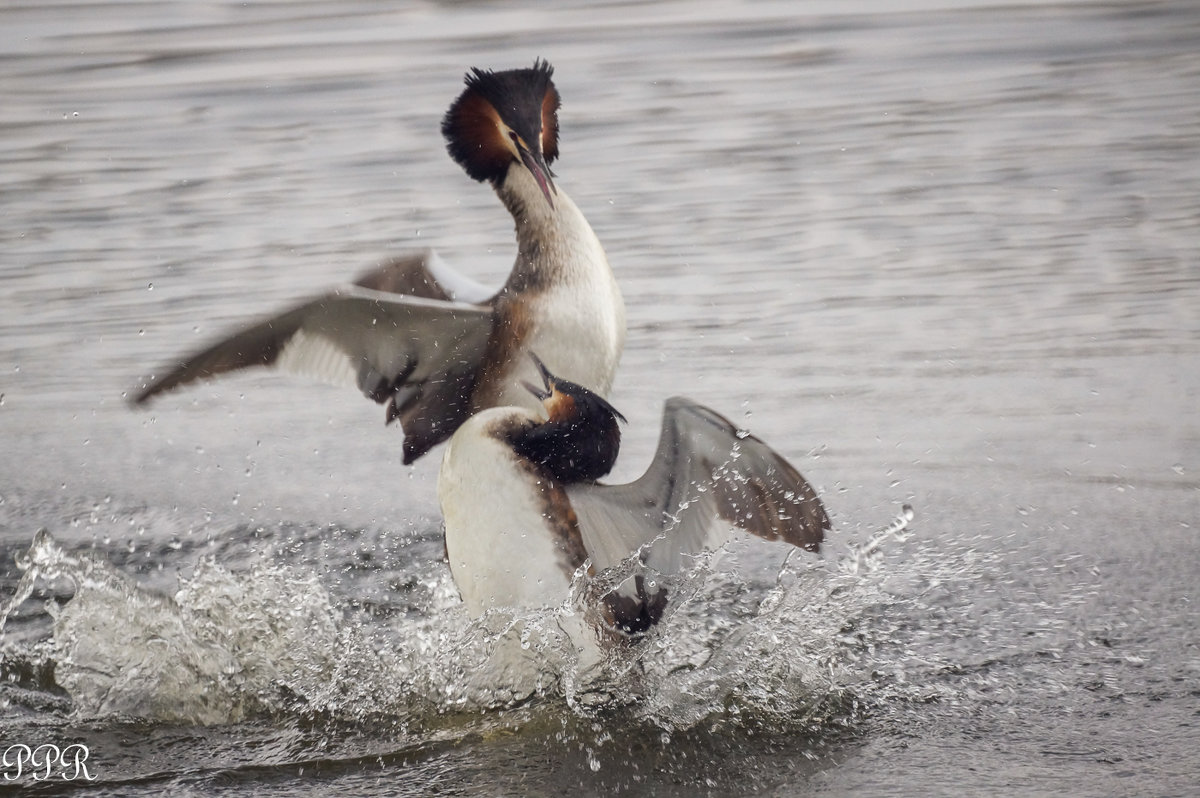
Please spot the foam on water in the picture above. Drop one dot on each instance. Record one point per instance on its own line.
(271, 641)
(224, 646)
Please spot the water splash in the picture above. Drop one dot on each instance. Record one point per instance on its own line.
(225, 646)
(47, 557)
(867, 556)
(781, 658)
(270, 640)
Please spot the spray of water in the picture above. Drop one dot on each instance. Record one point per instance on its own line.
(227, 646)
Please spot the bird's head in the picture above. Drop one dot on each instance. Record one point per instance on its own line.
(502, 118)
(580, 438)
(567, 401)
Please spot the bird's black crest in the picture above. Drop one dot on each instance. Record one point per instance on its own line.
(579, 444)
(524, 99)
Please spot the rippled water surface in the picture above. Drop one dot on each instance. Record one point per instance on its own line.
(945, 255)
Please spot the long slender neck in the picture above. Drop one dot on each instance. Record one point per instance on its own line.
(552, 240)
(561, 300)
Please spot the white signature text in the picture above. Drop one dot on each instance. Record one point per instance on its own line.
(44, 762)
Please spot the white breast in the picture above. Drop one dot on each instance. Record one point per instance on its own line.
(584, 316)
(503, 556)
(502, 551)
(581, 329)
(579, 335)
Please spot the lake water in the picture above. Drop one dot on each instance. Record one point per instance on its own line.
(940, 254)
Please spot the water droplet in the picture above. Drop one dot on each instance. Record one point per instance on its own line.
(150, 287)
(1177, 468)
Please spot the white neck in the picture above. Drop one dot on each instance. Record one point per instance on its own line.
(554, 240)
(563, 274)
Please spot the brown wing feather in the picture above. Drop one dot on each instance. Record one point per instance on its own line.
(258, 345)
(773, 501)
(433, 411)
(407, 274)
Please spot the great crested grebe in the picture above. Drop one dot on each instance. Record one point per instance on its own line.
(431, 344)
(524, 512)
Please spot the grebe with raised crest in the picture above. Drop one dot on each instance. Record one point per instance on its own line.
(432, 344)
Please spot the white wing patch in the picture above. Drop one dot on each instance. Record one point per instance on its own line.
(317, 357)
(459, 286)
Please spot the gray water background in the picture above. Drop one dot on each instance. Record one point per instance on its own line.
(936, 253)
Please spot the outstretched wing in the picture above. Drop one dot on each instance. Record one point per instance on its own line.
(427, 275)
(396, 334)
(706, 476)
